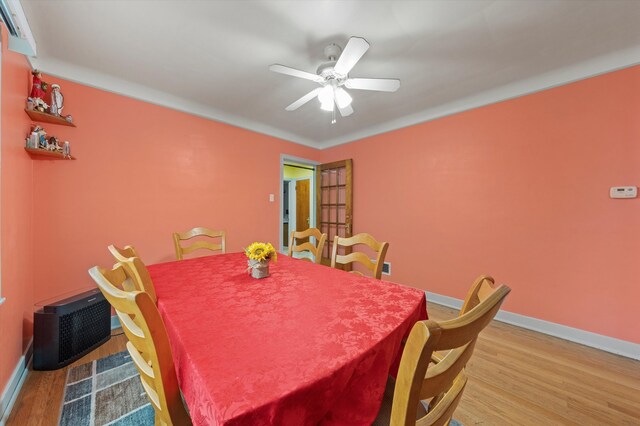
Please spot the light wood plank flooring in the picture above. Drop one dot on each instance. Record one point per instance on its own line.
(516, 377)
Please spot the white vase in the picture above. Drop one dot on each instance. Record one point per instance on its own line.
(259, 269)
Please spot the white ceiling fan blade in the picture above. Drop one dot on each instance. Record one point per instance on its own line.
(295, 73)
(353, 51)
(303, 100)
(379, 84)
(346, 111)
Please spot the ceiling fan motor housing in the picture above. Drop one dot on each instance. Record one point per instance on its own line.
(326, 70)
(332, 52)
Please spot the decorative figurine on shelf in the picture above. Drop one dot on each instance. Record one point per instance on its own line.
(33, 139)
(52, 144)
(38, 138)
(66, 149)
(57, 100)
(39, 87)
(40, 105)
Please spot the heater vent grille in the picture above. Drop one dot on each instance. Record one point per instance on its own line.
(82, 329)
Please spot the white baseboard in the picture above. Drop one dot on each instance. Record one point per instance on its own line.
(115, 323)
(11, 391)
(587, 338)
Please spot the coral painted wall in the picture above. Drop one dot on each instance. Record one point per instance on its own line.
(143, 172)
(16, 313)
(519, 190)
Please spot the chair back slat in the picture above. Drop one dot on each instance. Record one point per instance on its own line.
(137, 269)
(122, 280)
(304, 247)
(148, 343)
(307, 246)
(441, 414)
(461, 330)
(122, 253)
(131, 329)
(152, 395)
(482, 287)
(358, 257)
(141, 279)
(198, 245)
(423, 375)
(440, 376)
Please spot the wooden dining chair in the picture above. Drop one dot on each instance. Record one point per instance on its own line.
(439, 380)
(198, 232)
(379, 247)
(148, 344)
(307, 246)
(138, 270)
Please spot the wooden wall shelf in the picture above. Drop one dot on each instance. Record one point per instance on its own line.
(44, 117)
(51, 154)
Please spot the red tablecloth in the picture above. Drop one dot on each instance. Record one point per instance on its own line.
(307, 345)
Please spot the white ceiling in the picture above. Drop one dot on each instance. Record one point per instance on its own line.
(210, 58)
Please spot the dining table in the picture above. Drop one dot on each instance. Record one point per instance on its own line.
(306, 345)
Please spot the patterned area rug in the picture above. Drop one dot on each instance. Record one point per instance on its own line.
(105, 392)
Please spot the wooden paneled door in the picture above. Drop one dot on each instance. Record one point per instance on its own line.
(333, 204)
(303, 207)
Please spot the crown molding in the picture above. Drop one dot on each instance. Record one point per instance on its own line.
(590, 68)
(98, 80)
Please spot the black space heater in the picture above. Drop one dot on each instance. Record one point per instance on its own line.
(68, 329)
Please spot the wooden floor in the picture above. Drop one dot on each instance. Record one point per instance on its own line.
(516, 377)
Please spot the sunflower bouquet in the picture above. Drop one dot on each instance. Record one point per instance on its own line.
(261, 252)
(259, 255)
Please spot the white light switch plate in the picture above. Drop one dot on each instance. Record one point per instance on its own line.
(623, 192)
(272, 198)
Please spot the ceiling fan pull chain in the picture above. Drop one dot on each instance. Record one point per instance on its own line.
(333, 116)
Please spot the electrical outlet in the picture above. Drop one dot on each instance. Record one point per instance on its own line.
(386, 267)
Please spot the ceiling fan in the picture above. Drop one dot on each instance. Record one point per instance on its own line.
(333, 75)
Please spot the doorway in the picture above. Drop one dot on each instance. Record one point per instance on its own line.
(298, 193)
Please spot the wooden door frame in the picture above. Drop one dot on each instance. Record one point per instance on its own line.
(292, 191)
(285, 158)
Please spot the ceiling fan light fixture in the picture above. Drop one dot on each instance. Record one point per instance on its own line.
(326, 98)
(326, 106)
(343, 99)
(326, 95)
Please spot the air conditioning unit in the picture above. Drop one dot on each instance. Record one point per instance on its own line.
(20, 37)
(68, 329)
